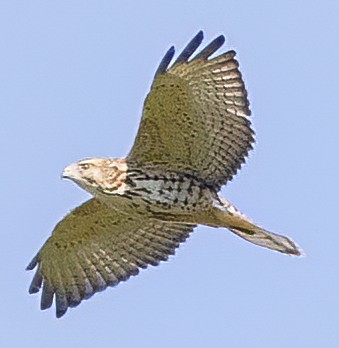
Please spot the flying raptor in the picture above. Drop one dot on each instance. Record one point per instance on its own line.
(194, 134)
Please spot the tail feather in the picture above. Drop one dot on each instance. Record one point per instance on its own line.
(239, 224)
(263, 238)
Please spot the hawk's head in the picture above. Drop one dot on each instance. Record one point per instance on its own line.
(98, 175)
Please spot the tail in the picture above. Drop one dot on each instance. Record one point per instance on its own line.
(239, 224)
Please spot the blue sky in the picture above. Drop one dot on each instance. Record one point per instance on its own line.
(73, 77)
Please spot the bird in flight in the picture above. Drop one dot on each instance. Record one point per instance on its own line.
(194, 134)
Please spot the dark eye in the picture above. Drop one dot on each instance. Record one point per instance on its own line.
(84, 166)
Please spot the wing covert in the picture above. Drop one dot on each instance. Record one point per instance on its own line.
(195, 118)
(94, 247)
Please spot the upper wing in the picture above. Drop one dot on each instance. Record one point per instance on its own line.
(195, 116)
(94, 247)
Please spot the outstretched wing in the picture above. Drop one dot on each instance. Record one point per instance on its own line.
(195, 116)
(94, 247)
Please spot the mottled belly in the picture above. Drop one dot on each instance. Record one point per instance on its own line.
(170, 192)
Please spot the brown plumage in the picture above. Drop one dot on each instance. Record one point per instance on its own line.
(193, 137)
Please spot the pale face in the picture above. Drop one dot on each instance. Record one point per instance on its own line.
(98, 175)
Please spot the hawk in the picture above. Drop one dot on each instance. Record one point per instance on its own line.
(194, 135)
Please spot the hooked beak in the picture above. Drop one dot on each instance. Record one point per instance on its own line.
(70, 172)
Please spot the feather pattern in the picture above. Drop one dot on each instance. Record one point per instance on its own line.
(195, 118)
(103, 248)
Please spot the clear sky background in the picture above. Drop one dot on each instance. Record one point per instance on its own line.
(73, 77)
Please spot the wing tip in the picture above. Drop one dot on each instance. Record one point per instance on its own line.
(36, 283)
(189, 50)
(165, 62)
(183, 57)
(32, 264)
(60, 312)
(211, 48)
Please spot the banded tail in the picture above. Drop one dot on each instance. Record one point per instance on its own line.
(239, 224)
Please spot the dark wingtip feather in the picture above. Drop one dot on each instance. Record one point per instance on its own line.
(74, 301)
(59, 312)
(61, 304)
(190, 48)
(46, 296)
(165, 62)
(36, 283)
(33, 263)
(211, 48)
